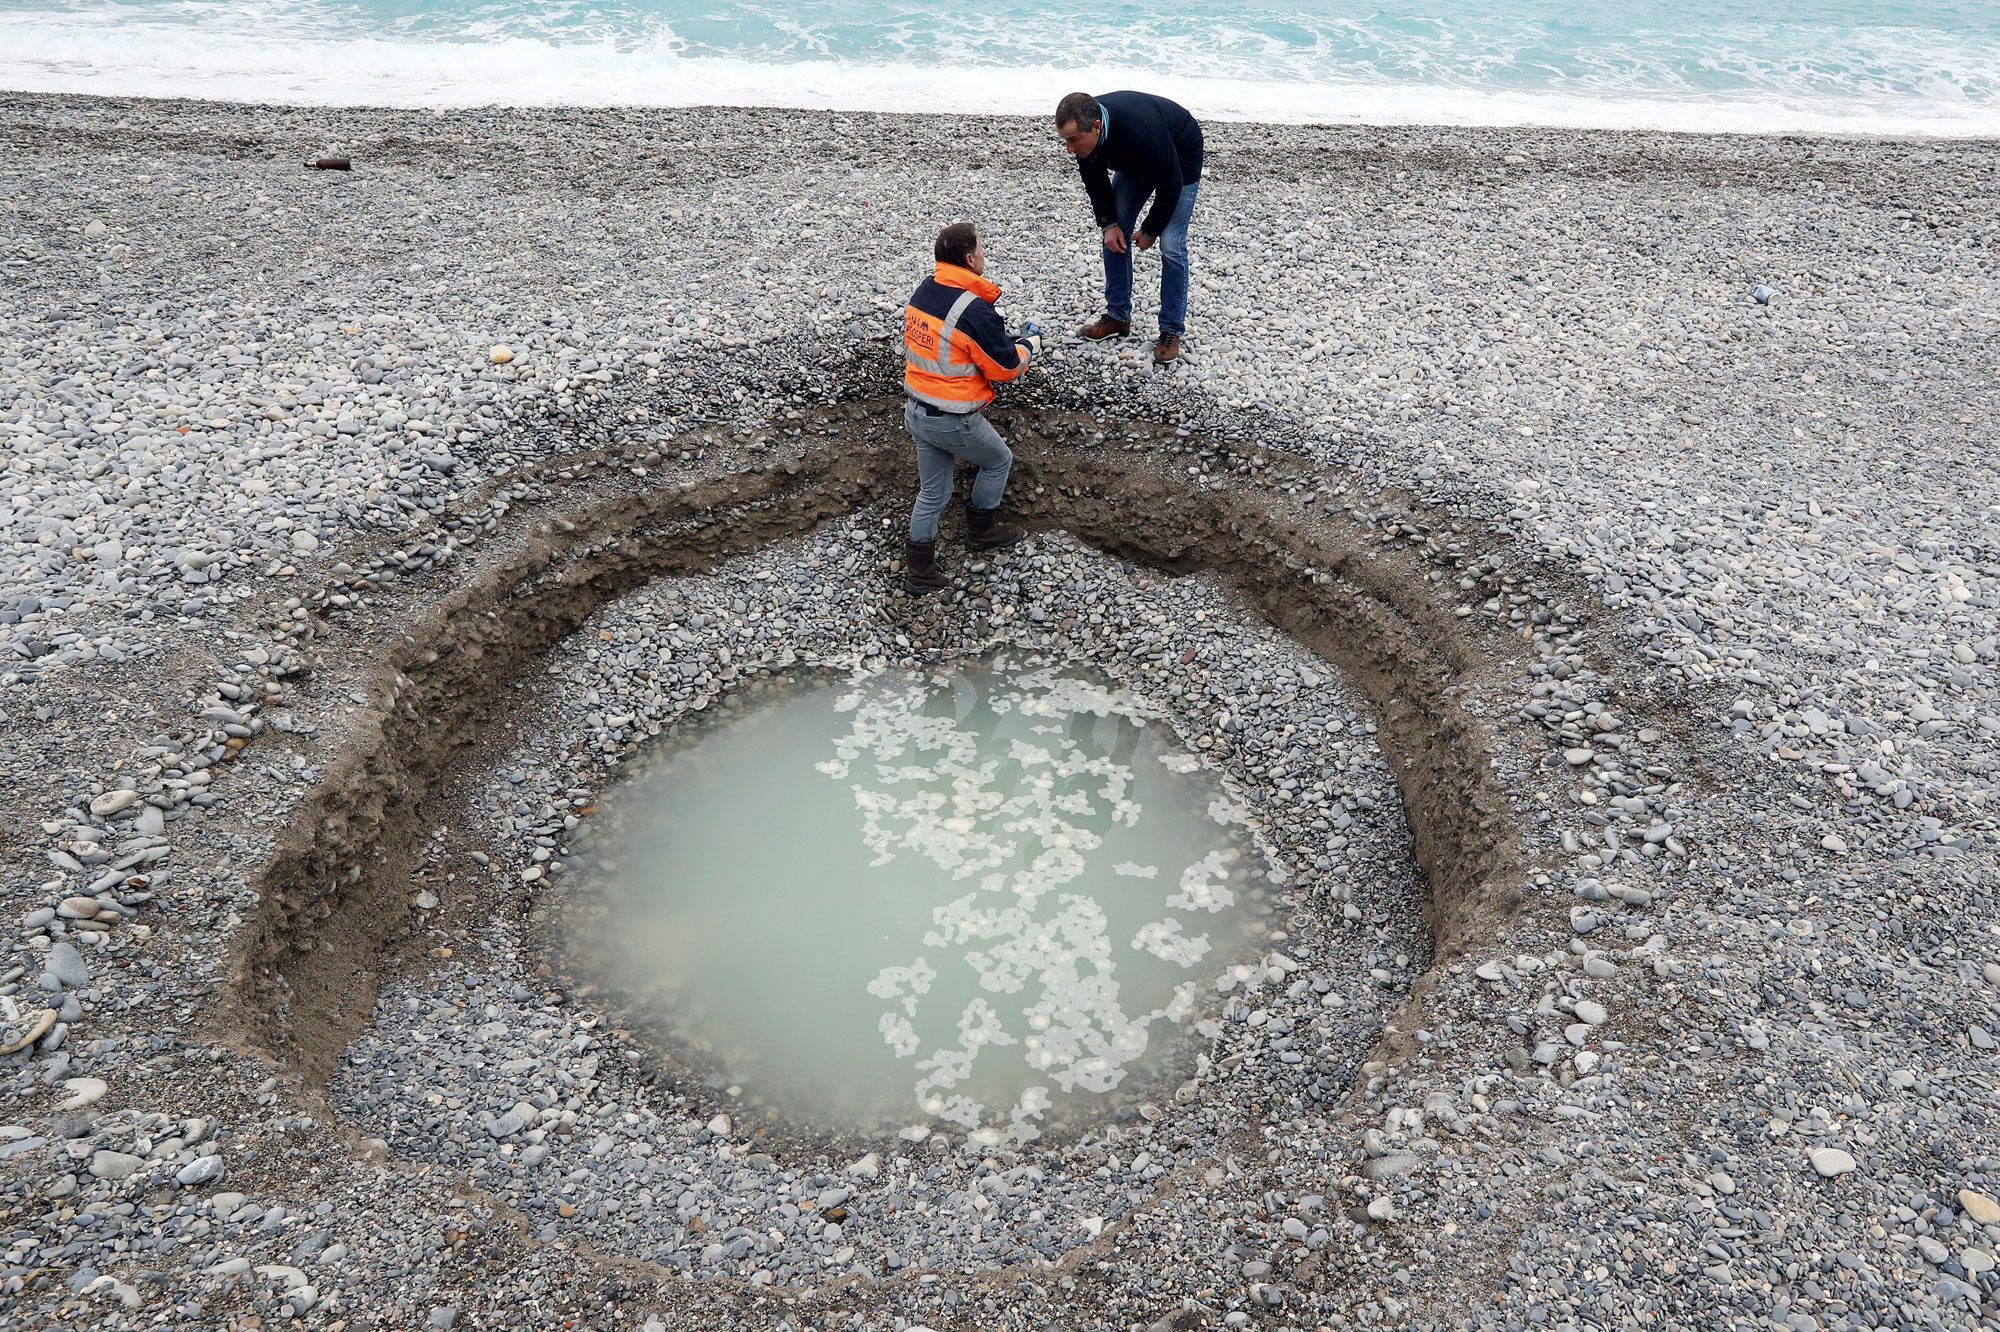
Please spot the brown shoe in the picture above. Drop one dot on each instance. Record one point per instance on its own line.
(1105, 327)
(1168, 348)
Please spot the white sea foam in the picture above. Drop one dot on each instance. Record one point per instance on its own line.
(1933, 85)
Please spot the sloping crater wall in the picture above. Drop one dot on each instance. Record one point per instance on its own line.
(335, 894)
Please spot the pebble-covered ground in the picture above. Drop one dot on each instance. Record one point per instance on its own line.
(735, 1195)
(1731, 1063)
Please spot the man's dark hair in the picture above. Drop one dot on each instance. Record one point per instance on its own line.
(956, 243)
(1081, 108)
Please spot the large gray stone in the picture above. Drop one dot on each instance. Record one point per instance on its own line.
(66, 965)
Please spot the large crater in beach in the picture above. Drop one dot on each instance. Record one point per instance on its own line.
(410, 952)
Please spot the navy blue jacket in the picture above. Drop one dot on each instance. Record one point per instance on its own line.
(1154, 141)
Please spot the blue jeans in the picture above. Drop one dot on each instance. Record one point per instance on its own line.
(1127, 195)
(942, 443)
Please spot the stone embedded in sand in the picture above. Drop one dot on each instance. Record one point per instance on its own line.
(1831, 1161)
(1982, 1209)
(114, 1165)
(113, 802)
(95, 231)
(201, 1170)
(501, 354)
(37, 1028)
(67, 966)
(82, 1092)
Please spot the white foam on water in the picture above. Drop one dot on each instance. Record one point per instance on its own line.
(905, 983)
(1226, 812)
(1202, 888)
(1164, 940)
(900, 1035)
(1869, 69)
(931, 909)
(1851, 66)
(528, 73)
(1077, 1034)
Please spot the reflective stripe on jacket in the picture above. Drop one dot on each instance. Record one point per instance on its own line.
(955, 348)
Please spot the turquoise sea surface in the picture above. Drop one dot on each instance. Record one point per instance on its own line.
(1887, 66)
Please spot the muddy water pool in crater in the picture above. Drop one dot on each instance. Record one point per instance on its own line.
(987, 896)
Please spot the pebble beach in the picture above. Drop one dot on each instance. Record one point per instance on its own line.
(1607, 653)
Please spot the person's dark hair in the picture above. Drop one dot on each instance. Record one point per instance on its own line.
(956, 243)
(1081, 108)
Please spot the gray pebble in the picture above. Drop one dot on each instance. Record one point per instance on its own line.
(66, 965)
(201, 1170)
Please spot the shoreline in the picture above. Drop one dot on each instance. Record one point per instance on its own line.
(501, 111)
(1691, 708)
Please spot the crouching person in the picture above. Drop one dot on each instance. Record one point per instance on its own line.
(955, 350)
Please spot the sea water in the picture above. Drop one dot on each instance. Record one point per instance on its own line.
(986, 899)
(1890, 66)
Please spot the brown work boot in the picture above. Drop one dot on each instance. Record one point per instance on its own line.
(921, 576)
(1105, 327)
(985, 530)
(1167, 349)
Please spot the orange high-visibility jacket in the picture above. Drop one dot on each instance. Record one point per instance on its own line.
(955, 348)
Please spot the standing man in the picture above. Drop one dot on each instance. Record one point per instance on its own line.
(1129, 145)
(954, 351)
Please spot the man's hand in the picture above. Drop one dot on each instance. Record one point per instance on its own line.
(1143, 241)
(1114, 238)
(1030, 337)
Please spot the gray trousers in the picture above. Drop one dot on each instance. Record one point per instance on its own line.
(942, 443)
